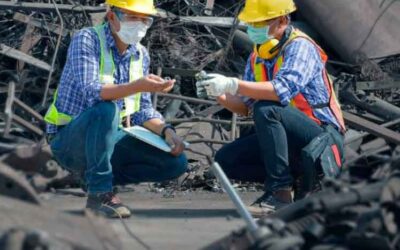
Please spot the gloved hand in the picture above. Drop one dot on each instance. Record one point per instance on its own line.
(216, 85)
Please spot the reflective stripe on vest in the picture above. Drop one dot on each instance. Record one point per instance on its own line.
(299, 101)
(106, 76)
(54, 117)
(107, 68)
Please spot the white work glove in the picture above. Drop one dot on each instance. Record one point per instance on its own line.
(215, 85)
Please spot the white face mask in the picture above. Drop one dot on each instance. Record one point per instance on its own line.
(132, 32)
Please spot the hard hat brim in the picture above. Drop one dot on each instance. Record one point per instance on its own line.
(153, 12)
(247, 19)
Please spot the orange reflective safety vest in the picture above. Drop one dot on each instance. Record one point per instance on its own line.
(299, 101)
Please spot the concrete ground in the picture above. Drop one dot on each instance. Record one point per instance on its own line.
(189, 220)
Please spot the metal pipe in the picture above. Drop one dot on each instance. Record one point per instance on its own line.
(8, 109)
(228, 44)
(233, 126)
(28, 109)
(240, 207)
(203, 119)
(46, 90)
(364, 134)
(214, 141)
(188, 99)
(19, 120)
(45, 7)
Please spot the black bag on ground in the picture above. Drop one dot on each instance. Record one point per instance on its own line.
(323, 155)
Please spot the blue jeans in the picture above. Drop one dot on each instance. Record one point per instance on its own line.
(265, 156)
(93, 146)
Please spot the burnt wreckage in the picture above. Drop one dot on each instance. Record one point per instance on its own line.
(360, 210)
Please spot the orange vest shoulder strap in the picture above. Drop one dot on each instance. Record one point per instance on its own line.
(299, 101)
(259, 70)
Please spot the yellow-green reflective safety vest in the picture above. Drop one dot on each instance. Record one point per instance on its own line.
(106, 76)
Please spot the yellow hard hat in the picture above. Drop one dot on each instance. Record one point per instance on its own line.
(139, 6)
(261, 10)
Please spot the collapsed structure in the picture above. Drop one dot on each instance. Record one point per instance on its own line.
(362, 41)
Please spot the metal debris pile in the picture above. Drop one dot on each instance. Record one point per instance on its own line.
(196, 35)
(342, 216)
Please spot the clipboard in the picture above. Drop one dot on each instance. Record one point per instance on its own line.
(149, 137)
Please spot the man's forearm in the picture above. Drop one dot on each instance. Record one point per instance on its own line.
(156, 125)
(110, 92)
(233, 104)
(258, 91)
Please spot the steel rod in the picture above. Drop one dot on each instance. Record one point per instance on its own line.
(240, 207)
(28, 109)
(188, 99)
(210, 120)
(46, 90)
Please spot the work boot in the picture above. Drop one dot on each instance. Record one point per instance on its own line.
(107, 205)
(269, 203)
(300, 193)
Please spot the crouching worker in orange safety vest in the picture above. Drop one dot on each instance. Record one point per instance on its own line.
(298, 136)
(106, 83)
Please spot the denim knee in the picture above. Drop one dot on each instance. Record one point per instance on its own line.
(223, 158)
(172, 167)
(107, 112)
(176, 166)
(265, 111)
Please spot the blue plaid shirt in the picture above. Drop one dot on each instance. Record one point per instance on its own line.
(80, 87)
(301, 72)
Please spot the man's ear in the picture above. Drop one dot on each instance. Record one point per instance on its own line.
(110, 15)
(282, 20)
(286, 19)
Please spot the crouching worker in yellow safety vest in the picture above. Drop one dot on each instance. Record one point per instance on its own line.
(106, 83)
(298, 135)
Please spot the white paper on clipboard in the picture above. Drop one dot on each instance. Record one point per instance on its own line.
(149, 137)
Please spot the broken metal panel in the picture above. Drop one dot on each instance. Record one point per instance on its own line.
(16, 54)
(350, 27)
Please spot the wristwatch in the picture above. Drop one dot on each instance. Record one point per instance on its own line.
(166, 126)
